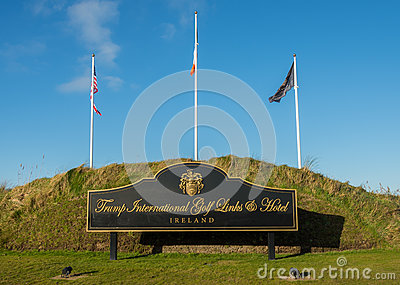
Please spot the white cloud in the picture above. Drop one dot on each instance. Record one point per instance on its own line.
(89, 18)
(134, 86)
(82, 83)
(46, 7)
(113, 82)
(15, 55)
(78, 84)
(23, 49)
(168, 31)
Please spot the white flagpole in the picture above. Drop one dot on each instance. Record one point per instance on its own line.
(91, 114)
(297, 112)
(195, 87)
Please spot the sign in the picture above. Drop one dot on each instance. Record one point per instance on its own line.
(192, 196)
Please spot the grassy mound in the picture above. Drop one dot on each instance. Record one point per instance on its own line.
(50, 213)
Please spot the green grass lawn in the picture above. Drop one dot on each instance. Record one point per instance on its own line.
(38, 267)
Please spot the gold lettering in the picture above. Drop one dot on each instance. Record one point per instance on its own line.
(187, 207)
(101, 204)
(273, 205)
(200, 207)
(285, 208)
(121, 209)
(191, 220)
(224, 206)
(135, 206)
(251, 206)
(102, 207)
(221, 205)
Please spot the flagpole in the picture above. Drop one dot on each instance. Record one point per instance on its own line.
(297, 112)
(195, 88)
(91, 114)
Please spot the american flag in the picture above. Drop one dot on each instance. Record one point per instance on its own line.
(95, 90)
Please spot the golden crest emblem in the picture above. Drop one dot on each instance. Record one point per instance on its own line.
(191, 183)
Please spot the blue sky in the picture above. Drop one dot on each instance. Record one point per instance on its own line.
(348, 69)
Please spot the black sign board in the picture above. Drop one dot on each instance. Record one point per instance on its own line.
(192, 196)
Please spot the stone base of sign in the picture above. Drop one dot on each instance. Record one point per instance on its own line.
(238, 249)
